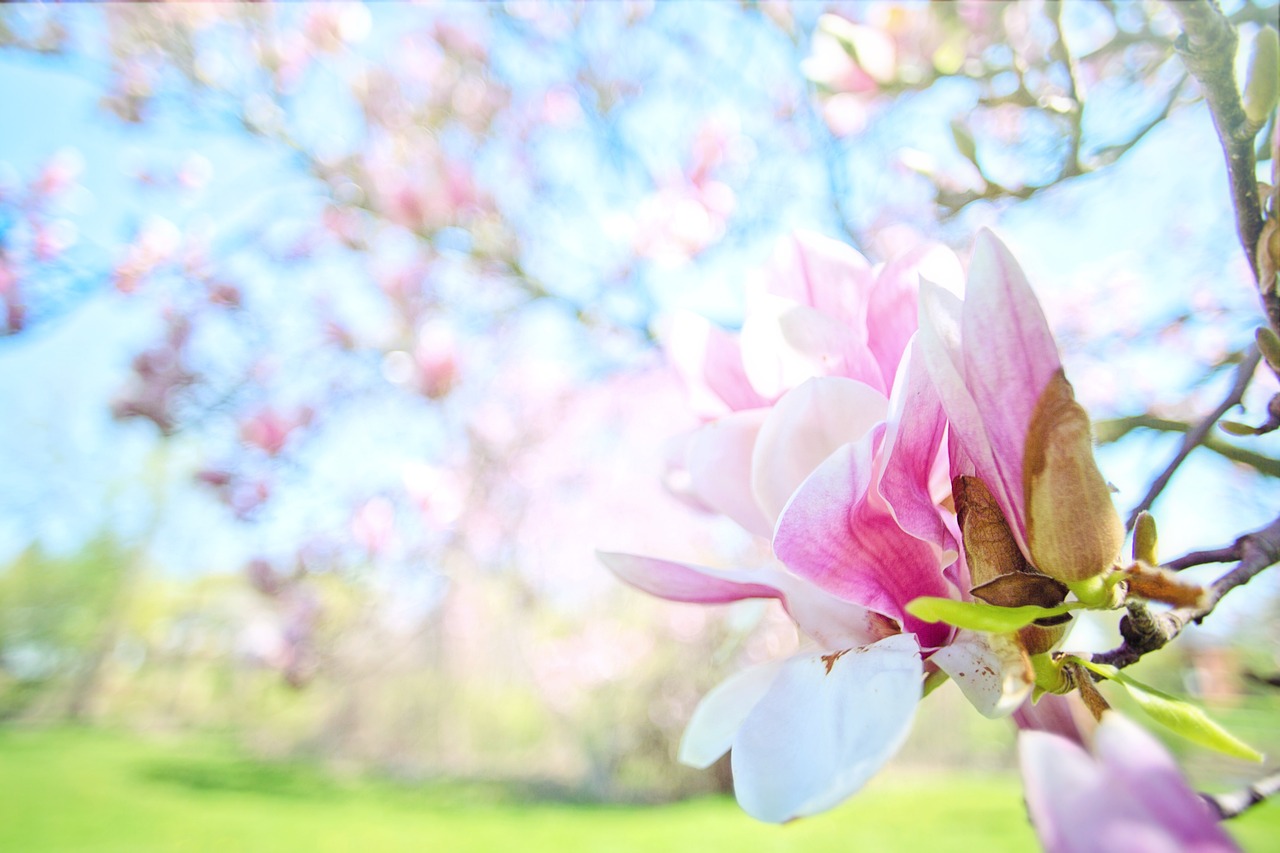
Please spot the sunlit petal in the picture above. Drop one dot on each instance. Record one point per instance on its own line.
(824, 727)
(831, 535)
(991, 670)
(917, 424)
(710, 362)
(687, 582)
(716, 720)
(802, 430)
(719, 464)
(1009, 356)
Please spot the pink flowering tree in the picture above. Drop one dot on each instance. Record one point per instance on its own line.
(382, 321)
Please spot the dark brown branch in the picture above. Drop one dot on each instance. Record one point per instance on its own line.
(1196, 436)
(1272, 680)
(1201, 558)
(1208, 49)
(1238, 802)
(1145, 632)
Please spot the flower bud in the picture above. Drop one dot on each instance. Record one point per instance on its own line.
(1269, 346)
(1262, 85)
(1144, 539)
(1073, 530)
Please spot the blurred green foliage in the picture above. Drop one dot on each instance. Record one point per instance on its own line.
(93, 790)
(59, 619)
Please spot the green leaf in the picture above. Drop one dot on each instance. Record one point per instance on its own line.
(1177, 715)
(979, 616)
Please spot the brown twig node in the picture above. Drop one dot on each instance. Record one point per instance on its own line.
(1145, 632)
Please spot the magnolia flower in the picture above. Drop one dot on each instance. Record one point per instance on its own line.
(1128, 795)
(809, 444)
(1030, 497)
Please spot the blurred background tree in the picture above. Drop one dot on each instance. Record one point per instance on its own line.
(330, 338)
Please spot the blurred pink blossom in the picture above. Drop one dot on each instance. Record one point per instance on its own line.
(1125, 794)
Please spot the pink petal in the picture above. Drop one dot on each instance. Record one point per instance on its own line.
(684, 582)
(828, 275)
(991, 671)
(1061, 783)
(803, 429)
(1064, 716)
(1009, 357)
(719, 463)
(710, 362)
(830, 621)
(831, 535)
(1134, 759)
(1109, 803)
(783, 344)
(825, 726)
(910, 454)
(675, 475)
(892, 313)
(939, 345)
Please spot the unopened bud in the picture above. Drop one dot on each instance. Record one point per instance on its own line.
(1269, 254)
(1237, 428)
(1269, 346)
(1144, 539)
(1262, 83)
(964, 141)
(1073, 530)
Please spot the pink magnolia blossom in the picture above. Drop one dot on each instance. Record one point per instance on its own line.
(1128, 795)
(1020, 444)
(808, 445)
(269, 430)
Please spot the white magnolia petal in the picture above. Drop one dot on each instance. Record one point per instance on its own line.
(825, 726)
(720, 465)
(991, 670)
(718, 716)
(831, 622)
(806, 426)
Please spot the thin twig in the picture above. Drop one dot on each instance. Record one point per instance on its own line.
(1196, 436)
(1237, 803)
(1258, 551)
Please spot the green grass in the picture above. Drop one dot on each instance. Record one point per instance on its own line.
(90, 790)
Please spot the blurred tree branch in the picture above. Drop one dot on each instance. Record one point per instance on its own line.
(1208, 50)
(1114, 429)
(1197, 435)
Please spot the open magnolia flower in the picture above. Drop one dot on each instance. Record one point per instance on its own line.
(1035, 513)
(1127, 795)
(825, 438)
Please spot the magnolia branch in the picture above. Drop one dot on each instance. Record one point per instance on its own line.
(1238, 802)
(1197, 435)
(1144, 631)
(1208, 49)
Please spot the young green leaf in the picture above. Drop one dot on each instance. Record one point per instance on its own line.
(978, 616)
(1178, 716)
